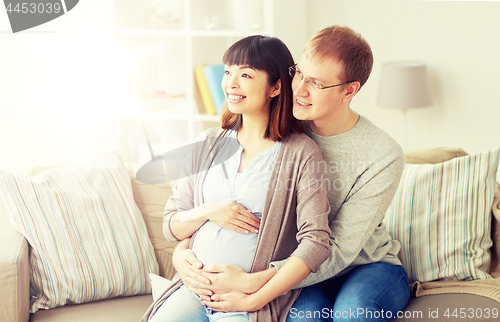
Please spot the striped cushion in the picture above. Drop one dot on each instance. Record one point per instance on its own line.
(441, 215)
(88, 238)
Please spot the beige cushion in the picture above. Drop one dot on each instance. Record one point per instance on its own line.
(435, 155)
(151, 200)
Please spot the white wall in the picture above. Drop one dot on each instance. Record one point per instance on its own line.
(64, 84)
(60, 89)
(291, 24)
(459, 41)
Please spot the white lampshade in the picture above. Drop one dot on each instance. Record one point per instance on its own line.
(404, 85)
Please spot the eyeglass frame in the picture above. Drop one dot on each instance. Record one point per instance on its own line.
(317, 85)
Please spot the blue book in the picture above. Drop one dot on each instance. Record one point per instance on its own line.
(213, 75)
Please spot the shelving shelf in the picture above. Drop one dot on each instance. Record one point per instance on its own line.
(188, 29)
(183, 33)
(175, 50)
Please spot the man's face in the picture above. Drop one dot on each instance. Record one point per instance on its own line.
(311, 103)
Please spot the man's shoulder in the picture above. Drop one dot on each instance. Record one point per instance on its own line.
(364, 142)
(377, 138)
(380, 148)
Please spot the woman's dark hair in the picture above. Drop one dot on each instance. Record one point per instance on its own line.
(268, 54)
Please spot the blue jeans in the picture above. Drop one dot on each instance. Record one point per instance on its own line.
(184, 306)
(372, 292)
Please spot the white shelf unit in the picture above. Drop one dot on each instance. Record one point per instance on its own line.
(166, 55)
(181, 46)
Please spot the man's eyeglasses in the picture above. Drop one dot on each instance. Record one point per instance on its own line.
(310, 83)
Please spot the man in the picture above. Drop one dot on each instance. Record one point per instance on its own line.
(363, 279)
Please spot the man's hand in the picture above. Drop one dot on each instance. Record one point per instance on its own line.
(189, 268)
(234, 302)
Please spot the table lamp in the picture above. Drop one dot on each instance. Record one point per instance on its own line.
(404, 85)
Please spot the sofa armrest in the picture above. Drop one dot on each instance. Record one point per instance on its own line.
(14, 272)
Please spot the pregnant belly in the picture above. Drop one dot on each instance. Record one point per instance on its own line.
(215, 245)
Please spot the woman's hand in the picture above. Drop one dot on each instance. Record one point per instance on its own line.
(233, 302)
(226, 278)
(189, 268)
(231, 215)
(226, 214)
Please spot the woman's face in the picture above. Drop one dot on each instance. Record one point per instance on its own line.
(247, 90)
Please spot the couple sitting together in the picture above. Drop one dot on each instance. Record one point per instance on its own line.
(288, 227)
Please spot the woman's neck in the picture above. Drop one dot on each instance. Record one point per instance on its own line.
(252, 129)
(251, 138)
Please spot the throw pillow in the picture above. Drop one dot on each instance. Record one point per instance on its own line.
(441, 215)
(87, 236)
(151, 200)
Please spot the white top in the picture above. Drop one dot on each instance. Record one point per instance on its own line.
(216, 245)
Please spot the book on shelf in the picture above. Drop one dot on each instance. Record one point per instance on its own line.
(204, 90)
(213, 75)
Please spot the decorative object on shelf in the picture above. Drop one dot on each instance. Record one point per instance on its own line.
(404, 85)
(166, 13)
(247, 15)
(256, 22)
(211, 22)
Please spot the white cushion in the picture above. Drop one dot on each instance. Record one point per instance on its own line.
(441, 215)
(88, 238)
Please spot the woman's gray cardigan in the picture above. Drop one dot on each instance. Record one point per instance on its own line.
(294, 220)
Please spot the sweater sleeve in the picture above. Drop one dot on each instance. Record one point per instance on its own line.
(182, 199)
(312, 214)
(183, 191)
(358, 219)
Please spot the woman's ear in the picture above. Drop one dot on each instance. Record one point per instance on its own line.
(276, 89)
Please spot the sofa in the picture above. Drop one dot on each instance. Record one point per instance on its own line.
(445, 300)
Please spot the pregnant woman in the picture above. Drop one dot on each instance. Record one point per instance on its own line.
(275, 178)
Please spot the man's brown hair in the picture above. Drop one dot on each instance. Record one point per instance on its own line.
(345, 46)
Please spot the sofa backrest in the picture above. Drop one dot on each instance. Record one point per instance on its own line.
(151, 200)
